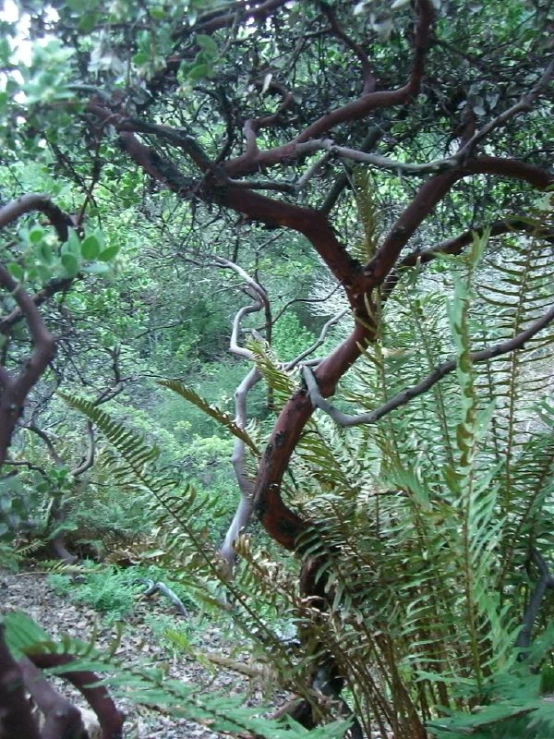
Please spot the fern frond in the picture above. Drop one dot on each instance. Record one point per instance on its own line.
(281, 382)
(368, 214)
(132, 447)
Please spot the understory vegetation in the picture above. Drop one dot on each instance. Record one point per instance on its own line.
(276, 309)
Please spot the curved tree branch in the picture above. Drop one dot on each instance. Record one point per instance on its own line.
(14, 389)
(245, 508)
(56, 285)
(252, 159)
(16, 720)
(87, 683)
(246, 484)
(525, 104)
(432, 192)
(61, 221)
(545, 581)
(368, 77)
(61, 717)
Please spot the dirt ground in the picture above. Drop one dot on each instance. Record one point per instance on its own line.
(31, 592)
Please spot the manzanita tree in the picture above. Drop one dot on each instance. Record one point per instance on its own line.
(264, 109)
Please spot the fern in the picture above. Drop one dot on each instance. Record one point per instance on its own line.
(187, 550)
(368, 214)
(515, 291)
(136, 452)
(414, 546)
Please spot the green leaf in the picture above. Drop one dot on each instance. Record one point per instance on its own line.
(70, 264)
(90, 248)
(44, 273)
(199, 72)
(88, 22)
(108, 254)
(45, 253)
(141, 57)
(36, 234)
(22, 633)
(158, 14)
(207, 44)
(96, 268)
(73, 244)
(16, 271)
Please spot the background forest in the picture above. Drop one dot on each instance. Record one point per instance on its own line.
(276, 295)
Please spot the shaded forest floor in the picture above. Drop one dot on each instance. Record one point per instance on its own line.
(31, 592)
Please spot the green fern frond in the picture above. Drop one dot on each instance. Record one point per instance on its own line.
(212, 411)
(368, 214)
(132, 447)
(280, 381)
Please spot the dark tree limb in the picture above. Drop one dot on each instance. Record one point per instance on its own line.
(14, 389)
(61, 717)
(230, 14)
(383, 98)
(432, 192)
(311, 223)
(458, 243)
(254, 125)
(368, 77)
(52, 451)
(16, 720)
(61, 221)
(252, 159)
(283, 524)
(97, 696)
(545, 581)
(56, 285)
(525, 104)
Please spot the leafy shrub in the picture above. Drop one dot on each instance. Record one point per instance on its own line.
(290, 337)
